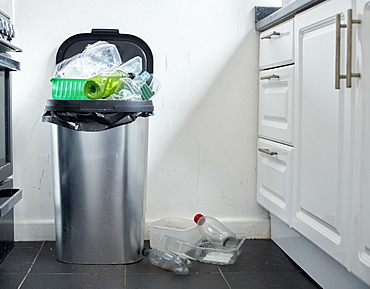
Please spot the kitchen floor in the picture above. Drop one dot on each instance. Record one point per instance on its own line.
(262, 264)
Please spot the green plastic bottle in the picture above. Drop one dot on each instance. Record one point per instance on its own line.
(101, 86)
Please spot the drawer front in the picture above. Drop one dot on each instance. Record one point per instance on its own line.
(276, 46)
(276, 92)
(274, 178)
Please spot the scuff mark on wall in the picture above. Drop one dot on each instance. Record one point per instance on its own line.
(189, 57)
(42, 175)
(166, 62)
(32, 129)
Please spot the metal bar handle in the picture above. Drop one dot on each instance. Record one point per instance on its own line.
(338, 76)
(269, 76)
(349, 49)
(267, 151)
(274, 33)
(10, 197)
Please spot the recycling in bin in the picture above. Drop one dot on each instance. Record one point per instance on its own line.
(100, 146)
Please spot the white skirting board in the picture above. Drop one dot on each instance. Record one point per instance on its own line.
(44, 230)
(320, 266)
(34, 230)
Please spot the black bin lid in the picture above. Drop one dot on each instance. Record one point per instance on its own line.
(129, 46)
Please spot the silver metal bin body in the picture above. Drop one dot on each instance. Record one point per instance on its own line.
(99, 191)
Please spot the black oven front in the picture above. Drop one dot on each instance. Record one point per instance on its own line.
(9, 196)
(6, 167)
(6, 66)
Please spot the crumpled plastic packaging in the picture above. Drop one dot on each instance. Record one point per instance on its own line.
(94, 60)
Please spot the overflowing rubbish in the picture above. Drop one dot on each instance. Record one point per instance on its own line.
(98, 73)
(168, 260)
(96, 59)
(208, 241)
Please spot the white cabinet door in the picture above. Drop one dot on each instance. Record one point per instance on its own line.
(274, 178)
(360, 219)
(321, 184)
(276, 104)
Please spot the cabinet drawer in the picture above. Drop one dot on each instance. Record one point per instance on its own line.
(274, 178)
(276, 46)
(276, 92)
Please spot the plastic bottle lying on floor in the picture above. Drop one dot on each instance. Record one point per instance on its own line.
(168, 260)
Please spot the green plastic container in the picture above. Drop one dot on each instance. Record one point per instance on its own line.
(68, 89)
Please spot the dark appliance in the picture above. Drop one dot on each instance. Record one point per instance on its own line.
(9, 196)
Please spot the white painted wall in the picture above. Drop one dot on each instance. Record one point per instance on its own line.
(202, 152)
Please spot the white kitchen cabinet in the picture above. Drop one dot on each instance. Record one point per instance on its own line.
(315, 180)
(360, 216)
(276, 92)
(274, 178)
(321, 180)
(331, 195)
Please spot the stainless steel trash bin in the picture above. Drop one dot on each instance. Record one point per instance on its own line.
(99, 189)
(100, 150)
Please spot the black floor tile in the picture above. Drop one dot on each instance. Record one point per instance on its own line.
(10, 281)
(261, 256)
(264, 280)
(20, 258)
(144, 266)
(74, 281)
(17, 263)
(173, 281)
(48, 263)
(262, 265)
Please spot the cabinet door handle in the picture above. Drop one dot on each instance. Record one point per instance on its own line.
(269, 76)
(267, 151)
(274, 33)
(349, 49)
(348, 76)
(338, 26)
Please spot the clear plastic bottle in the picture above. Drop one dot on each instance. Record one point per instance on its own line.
(168, 260)
(134, 66)
(135, 89)
(215, 232)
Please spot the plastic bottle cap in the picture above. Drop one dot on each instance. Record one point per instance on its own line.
(145, 252)
(197, 217)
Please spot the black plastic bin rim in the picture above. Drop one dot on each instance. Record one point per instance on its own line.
(101, 106)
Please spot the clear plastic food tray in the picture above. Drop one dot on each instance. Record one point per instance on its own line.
(68, 89)
(179, 228)
(204, 253)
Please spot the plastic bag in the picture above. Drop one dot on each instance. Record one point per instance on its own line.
(91, 121)
(95, 59)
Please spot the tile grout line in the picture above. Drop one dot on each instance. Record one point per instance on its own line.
(124, 276)
(223, 276)
(33, 263)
